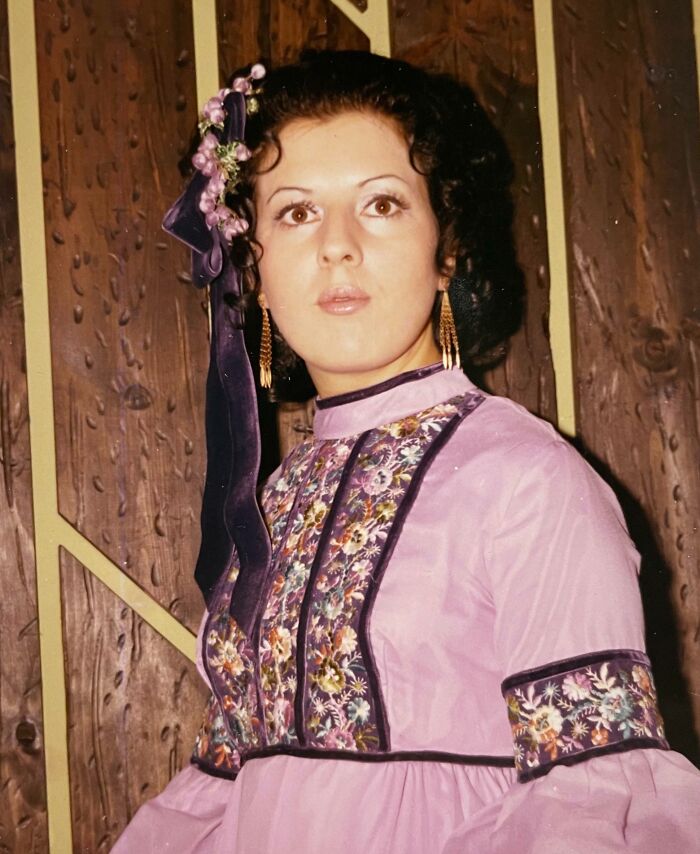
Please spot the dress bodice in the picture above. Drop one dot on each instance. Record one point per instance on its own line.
(384, 586)
(307, 678)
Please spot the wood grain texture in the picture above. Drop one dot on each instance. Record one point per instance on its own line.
(629, 114)
(134, 707)
(276, 30)
(294, 424)
(490, 46)
(128, 331)
(22, 781)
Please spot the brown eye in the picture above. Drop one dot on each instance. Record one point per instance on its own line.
(383, 206)
(386, 206)
(298, 213)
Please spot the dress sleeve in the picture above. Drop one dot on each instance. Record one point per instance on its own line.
(594, 768)
(563, 568)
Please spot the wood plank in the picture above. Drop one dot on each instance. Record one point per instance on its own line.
(629, 110)
(23, 824)
(490, 46)
(128, 331)
(134, 707)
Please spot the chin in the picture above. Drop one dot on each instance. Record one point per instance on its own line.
(354, 363)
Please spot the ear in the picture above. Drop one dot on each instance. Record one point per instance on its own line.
(448, 272)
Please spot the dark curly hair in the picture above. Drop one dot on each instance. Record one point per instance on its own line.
(451, 142)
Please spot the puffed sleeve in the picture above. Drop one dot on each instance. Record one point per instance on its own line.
(563, 569)
(595, 773)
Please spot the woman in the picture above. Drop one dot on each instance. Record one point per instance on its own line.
(433, 550)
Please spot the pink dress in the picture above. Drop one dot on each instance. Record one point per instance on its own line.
(449, 656)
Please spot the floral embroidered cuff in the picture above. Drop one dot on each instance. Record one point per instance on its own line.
(581, 707)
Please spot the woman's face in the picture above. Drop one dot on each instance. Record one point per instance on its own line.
(349, 238)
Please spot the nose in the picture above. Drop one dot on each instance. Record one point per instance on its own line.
(338, 241)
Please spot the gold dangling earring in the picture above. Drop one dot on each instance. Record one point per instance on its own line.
(448, 334)
(265, 346)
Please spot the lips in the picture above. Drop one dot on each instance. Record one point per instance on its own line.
(342, 299)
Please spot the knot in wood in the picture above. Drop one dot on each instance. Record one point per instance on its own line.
(26, 735)
(137, 397)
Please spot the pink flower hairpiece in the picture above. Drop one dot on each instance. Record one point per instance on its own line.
(220, 162)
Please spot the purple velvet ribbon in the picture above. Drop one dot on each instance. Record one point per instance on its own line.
(230, 517)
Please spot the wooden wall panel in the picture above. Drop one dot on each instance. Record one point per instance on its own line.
(22, 783)
(278, 29)
(629, 114)
(134, 707)
(490, 46)
(129, 333)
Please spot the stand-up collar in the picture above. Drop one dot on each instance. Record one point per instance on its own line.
(402, 395)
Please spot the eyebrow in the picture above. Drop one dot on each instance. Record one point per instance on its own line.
(282, 189)
(361, 184)
(378, 177)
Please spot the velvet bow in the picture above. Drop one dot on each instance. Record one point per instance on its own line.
(230, 516)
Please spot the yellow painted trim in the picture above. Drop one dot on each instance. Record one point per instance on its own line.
(206, 49)
(127, 590)
(696, 32)
(30, 207)
(374, 23)
(559, 306)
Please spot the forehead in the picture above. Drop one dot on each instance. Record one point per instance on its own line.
(351, 145)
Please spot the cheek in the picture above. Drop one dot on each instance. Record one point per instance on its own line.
(409, 271)
(283, 260)
(276, 274)
(419, 254)
(282, 287)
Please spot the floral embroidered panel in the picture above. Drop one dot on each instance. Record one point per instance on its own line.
(571, 710)
(307, 677)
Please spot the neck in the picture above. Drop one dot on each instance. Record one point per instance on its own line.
(332, 383)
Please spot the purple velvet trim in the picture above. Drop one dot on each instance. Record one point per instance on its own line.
(308, 595)
(472, 401)
(212, 770)
(387, 756)
(187, 223)
(352, 756)
(230, 515)
(378, 388)
(564, 665)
